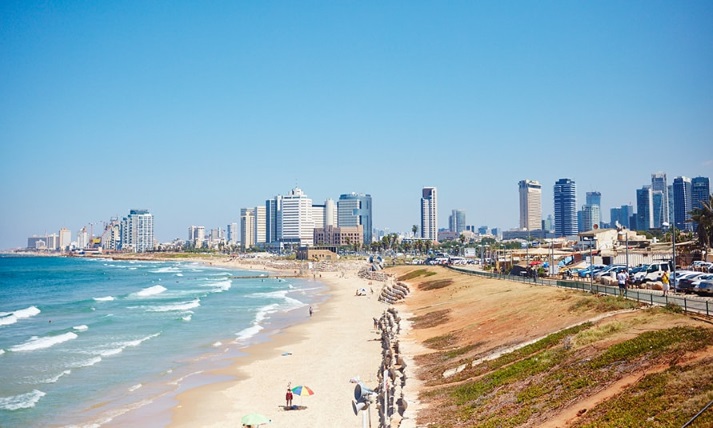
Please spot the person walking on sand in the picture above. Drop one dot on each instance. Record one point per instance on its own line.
(310, 311)
(665, 283)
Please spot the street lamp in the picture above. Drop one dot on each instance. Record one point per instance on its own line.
(592, 241)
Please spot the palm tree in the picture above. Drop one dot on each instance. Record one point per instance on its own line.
(703, 217)
(414, 229)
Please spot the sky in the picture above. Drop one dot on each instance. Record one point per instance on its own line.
(194, 110)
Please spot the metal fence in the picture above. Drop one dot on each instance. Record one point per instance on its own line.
(696, 304)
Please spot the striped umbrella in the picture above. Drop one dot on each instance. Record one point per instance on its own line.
(302, 390)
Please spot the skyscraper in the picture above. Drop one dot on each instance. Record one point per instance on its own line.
(644, 208)
(530, 204)
(137, 231)
(682, 202)
(247, 228)
(700, 192)
(593, 215)
(429, 214)
(295, 223)
(658, 184)
(456, 221)
(354, 209)
(565, 196)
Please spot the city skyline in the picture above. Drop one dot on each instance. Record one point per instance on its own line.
(195, 111)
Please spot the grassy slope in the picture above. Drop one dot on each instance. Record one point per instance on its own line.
(575, 361)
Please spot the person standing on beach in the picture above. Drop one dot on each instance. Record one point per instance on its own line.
(665, 283)
(310, 311)
(288, 398)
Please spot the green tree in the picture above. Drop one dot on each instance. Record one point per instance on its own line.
(703, 218)
(414, 229)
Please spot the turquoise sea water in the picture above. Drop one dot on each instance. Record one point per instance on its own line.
(86, 341)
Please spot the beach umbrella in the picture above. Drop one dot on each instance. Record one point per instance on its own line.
(254, 419)
(302, 390)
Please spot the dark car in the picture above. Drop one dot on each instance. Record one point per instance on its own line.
(704, 288)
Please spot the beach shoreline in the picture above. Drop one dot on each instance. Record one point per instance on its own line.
(335, 345)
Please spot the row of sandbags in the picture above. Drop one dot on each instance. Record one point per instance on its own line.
(391, 402)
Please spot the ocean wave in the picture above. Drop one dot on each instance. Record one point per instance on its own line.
(249, 332)
(187, 317)
(182, 306)
(149, 291)
(22, 401)
(56, 378)
(2, 351)
(36, 343)
(7, 318)
(86, 363)
(169, 269)
(217, 344)
(219, 287)
(104, 299)
(81, 327)
(135, 387)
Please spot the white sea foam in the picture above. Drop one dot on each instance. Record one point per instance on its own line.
(140, 341)
(249, 332)
(8, 319)
(135, 387)
(2, 351)
(219, 287)
(86, 363)
(217, 344)
(150, 291)
(182, 306)
(22, 401)
(104, 299)
(56, 378)
(81, 327)
(187, 317)
(168, 269)
(179, 274)
(36, 343)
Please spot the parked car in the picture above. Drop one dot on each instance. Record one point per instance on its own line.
(697, 280)
(609, 269)
(588, 271)
(704, 288)
(685, 283)
(655, 271)
(681, 274)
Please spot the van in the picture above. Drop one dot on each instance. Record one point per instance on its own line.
(655, 271)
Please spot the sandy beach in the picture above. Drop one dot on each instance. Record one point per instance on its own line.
(335, 345)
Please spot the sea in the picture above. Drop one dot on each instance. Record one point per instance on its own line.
(90, 342)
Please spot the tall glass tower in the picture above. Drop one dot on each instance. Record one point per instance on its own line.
(644, 208)
(565, 195)
(658, 184)
(682, 202)
(354, 209)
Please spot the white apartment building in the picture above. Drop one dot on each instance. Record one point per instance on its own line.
(530, 205)
(137, 231)
(295, 221)
(247, 228)
(429, 213)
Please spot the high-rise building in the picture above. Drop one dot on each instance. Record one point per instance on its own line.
(330, 213)
(588, 217)
(233, 234)
(456, 221)
(247, 228)
(658, 209)
(196, 236)
(644, 208)
(700, 192)
(594, 210)
(620, 216)
(354, 209)
(565, 198)
(682, 203)
(530, 204)
(65, 239)
(271, 208)
(260, 232)
(295, 223)
(658, 184)
(137, 231)
(429, 213)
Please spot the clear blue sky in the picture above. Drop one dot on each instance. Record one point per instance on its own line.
(196, 109)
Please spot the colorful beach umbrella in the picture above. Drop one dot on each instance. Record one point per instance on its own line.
(302, 390)
(254, 419)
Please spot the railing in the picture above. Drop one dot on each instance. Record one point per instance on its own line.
(700, 305)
